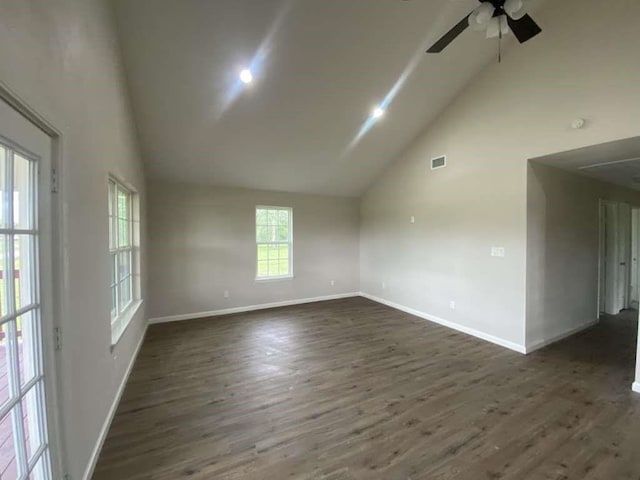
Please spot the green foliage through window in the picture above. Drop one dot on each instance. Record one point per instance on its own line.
(274, 242)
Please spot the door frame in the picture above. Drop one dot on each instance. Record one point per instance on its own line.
(602, 255)
(620, 250)
(53, 251)
(634, 273)
(624, 252)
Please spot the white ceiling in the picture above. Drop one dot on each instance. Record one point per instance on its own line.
(614, 162)
(325, 64)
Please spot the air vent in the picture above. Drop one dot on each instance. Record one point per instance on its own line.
(439, 162)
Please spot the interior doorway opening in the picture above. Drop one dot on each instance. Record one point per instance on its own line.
(619, 272)
(583, 244)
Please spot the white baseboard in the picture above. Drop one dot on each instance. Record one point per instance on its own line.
(556, 338)
(455, 326)
(112, 411)
(636, 387)
(250, 308)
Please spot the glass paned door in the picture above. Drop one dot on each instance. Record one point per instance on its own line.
(24, 448)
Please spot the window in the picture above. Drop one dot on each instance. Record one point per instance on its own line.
(122, 255)
(274, 239)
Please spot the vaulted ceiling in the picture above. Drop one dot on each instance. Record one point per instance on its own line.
(320, 67)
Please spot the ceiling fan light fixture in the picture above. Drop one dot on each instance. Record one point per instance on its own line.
(515, 9)
(475, 24)
(498, 26)
(484, 13)
(504, 25)
(492, 16)
(493, 29)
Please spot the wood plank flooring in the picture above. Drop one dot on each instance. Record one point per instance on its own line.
(351, 389)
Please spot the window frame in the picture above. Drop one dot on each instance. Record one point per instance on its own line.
(288, 242)
(124, 313)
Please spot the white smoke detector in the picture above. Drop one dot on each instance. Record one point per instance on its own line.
(577, 124)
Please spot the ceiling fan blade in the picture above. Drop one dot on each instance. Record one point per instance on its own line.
(450, 36)
(524, 29)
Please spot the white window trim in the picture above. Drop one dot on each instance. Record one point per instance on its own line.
(274, 278)
(122, 320)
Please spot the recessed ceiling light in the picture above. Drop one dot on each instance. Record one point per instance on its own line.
(246, 76)
(378, 112)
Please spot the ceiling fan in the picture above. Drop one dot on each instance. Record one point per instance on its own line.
(496, 18)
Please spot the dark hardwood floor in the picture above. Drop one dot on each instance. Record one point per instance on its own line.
(351, 389)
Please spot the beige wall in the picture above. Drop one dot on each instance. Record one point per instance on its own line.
(516, 110)
(562, 250)
(202, 242)
(61, 58)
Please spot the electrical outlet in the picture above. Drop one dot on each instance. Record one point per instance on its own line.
(497, 252)
(413, 219)
(333, 282)
(226, 294)
(452, 305)
(384, 285)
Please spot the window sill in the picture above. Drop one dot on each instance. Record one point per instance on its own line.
(273, 279)
(120, 325)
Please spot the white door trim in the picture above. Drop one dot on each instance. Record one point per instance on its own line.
(634, 292)
(601, 267)
(613, 256)
(52, 250)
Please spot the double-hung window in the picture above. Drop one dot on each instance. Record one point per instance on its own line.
(122, 252)
(274, 242)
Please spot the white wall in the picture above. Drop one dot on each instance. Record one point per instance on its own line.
(202, 242)
(513, 111)
(61, 57)
(562, 250)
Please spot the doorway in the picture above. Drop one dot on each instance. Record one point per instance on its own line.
(619, 279)
(25, 298)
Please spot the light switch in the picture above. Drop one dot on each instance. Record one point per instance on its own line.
(497, 252)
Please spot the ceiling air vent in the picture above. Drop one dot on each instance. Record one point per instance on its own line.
(439, 162)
